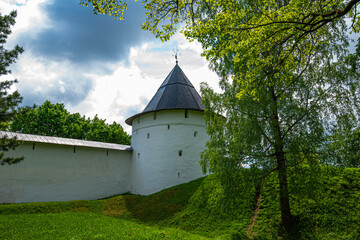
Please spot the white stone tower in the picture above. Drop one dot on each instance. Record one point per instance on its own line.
(168, 136)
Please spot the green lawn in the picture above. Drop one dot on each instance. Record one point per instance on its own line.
(325, 201)
(81, 226)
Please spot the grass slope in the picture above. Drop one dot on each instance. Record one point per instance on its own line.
(326, 206)
(325, 201)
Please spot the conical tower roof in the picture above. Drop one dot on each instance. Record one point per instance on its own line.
(176, 92)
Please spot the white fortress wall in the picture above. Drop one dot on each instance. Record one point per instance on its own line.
(166, 149)
(52, 172)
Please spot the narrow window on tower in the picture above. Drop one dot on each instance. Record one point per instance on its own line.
(195, 134)
(138, 155)
(180, 153)
(168, 127)
(148, 135)
(186, 113)
(154, 115)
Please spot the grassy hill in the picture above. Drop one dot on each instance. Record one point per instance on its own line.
(326, 207)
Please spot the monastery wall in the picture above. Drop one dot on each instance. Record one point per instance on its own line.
(52, 172)
(167, 139)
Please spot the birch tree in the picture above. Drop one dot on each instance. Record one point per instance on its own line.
(285, 69)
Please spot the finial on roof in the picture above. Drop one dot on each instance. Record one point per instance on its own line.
(176, 52)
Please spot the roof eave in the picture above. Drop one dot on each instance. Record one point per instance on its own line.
(129, 120)
(25, 137)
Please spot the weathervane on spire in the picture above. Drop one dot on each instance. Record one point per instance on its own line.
(175, 54)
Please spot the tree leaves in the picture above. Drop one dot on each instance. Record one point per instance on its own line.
(286, 74)
(113, 8)
(54, 120)
(8, 101)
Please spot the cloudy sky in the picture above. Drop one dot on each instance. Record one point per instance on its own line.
(94, 64)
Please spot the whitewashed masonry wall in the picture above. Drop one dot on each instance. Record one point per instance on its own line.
(166, 149)
(54, 172)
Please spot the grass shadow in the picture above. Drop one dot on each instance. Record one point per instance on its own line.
(153, 208)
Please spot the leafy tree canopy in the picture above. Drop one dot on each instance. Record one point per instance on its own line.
(54, 120)
(8, 101)
(289, 80)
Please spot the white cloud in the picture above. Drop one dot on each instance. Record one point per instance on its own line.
(41, 79)
(116, 96)
(29, 14)
(125, 89)
(156, 60)
(128, 89)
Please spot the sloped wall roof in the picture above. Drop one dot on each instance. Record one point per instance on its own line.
(63, 141)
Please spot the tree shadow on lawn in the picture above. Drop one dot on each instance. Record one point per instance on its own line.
(153, 208)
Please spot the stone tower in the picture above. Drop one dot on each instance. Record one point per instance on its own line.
(168, 136)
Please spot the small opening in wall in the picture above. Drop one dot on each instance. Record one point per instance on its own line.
(33, 146)
(148, 136)
(168, 127)
(74, 149)
(107, 152)
(195, 134)
(178, 175)
(138, 155)
(154, 116)
(186, 113)
(180, 153)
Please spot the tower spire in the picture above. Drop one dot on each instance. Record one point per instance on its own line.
(176, 52)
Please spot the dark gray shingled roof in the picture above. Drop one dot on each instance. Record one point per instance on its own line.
(176, 92)
(63, 141)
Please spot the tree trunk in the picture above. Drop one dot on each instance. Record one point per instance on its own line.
(286, 217)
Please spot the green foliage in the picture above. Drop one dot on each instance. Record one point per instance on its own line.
(54, 120)
(285, 82)
(210, 211)
(343, 146)
(279, 124)
(281, 87)
(7, 144)
(325, 204)
(8, 101)
(301, 113)
(286, 76)
(162, 16)
(113, 8)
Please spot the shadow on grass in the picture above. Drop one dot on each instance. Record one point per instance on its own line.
(152, 208)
